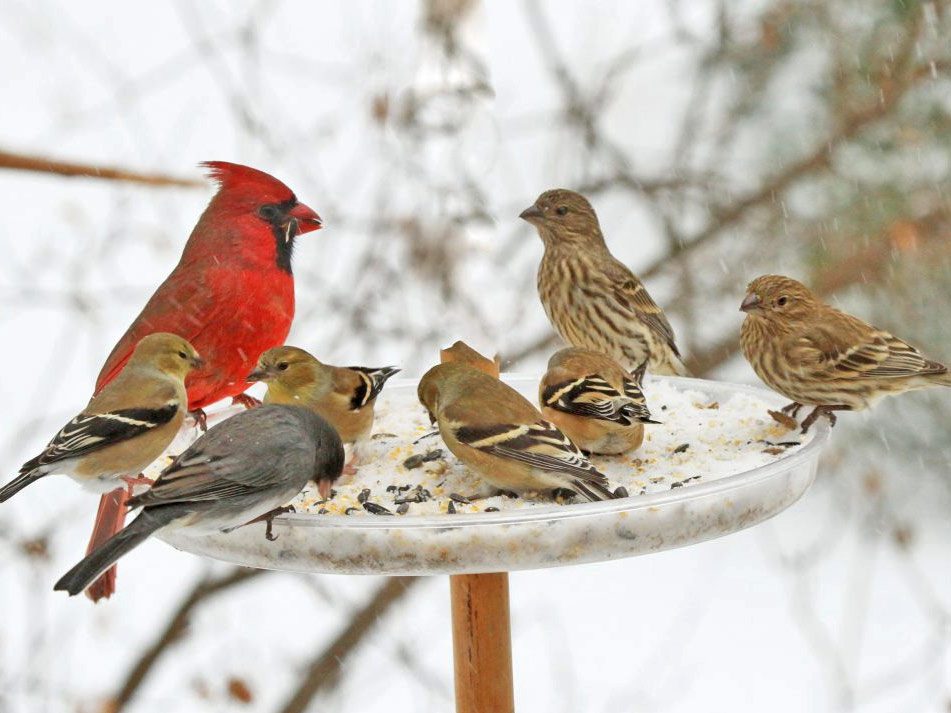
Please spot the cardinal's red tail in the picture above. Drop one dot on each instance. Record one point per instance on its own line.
(109, 520)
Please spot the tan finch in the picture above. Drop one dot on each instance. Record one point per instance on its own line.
(819, 356)
(345, 396)
(598, 405)
(497, 433)
(125, 426)
(592, 299)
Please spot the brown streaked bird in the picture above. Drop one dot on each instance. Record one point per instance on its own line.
(464, 354)
(819, 356)
(598, 404)
(344, 395)
(125, 426)
(592, 299)
(497, 433)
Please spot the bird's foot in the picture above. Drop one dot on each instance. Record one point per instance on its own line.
(245, 400)
(132, 480)
(792, 409)
(811, 419)
(828, 411)
(268, 519)
(201, 419)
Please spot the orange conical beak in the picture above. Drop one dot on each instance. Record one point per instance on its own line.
(307, 219)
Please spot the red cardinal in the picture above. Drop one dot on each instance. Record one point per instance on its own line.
(231, 295)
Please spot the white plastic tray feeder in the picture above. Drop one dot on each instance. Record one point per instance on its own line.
(666, 509)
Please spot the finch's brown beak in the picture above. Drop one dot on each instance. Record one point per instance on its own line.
(259, 374)
(323, 487)
(532, 214)
(750, 302)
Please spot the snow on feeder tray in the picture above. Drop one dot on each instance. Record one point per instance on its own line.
(716, 464)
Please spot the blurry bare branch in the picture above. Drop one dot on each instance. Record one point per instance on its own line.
(174, 629)
(38, 164)
(324, 670)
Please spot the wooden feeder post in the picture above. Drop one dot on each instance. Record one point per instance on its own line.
(482, 643)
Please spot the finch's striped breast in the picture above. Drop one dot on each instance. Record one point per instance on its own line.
(584, 313)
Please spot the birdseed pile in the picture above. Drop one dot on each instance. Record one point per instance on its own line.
(699, 440)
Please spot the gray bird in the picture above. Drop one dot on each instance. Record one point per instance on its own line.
(242, 470)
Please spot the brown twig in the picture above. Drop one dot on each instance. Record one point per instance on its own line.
(39, 164)
(173, 631)
(324, 670)
(819, 158)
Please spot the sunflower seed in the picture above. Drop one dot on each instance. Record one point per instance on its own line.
(415, 461)
(375, 509)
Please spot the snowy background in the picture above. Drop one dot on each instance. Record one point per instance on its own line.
(717, 140)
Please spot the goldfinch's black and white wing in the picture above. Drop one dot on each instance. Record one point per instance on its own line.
(84, 436)
(593, 397)
(90, 432)
(540, 445)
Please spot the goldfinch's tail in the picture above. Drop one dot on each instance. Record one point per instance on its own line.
(26, 477)
(593, 490)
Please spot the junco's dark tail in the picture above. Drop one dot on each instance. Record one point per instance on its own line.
(26, 477)
(99, 560)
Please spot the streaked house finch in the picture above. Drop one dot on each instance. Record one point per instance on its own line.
(344, 395)
(819, 356)
(125, 426)
(497, 433)
(231, 295)
(242, 470)
(464, 354)
(592, 299)
(598, 405)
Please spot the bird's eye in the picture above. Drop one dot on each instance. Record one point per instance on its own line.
(268, 212)
(183, 355)
(782, 301)
(282, 366)
(562, 210)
